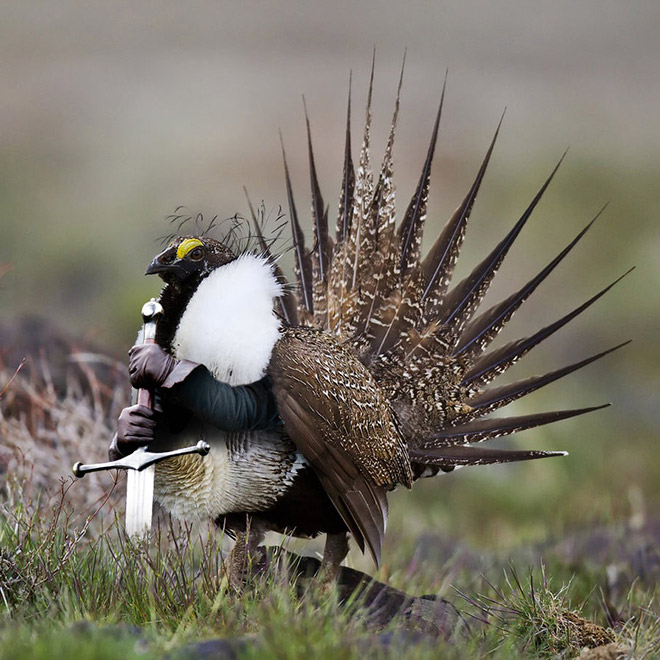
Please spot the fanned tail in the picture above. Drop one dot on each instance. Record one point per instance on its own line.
(423, 338)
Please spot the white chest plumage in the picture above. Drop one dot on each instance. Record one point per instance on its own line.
(229, 324)
(230, 327)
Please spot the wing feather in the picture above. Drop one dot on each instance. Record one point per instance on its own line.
(360, 503)
(339, 419)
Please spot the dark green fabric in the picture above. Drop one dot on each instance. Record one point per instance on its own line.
(230, 408)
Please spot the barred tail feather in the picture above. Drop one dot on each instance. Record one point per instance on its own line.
(394, 297)
(411, 228)
(346, 260)
(488, 429)
(377, 268)
(347, 180)
(498, 397)
(450, 458)
(303, 268)
(484, 329)
(497, 362)
(460, 304)
(362, 195)
(321, 247)
(438, 265)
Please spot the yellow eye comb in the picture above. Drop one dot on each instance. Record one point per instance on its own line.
(186, 246)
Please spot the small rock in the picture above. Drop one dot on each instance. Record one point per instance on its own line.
(612, 651)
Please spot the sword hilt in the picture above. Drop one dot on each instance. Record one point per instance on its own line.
(151, 313)
(139, 460)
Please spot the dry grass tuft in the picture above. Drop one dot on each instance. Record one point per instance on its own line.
(540, 616)
(58, 404)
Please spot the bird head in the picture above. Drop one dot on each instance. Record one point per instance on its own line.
(188, 259)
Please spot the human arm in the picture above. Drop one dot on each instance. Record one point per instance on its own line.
(230, 408)
(192, 386)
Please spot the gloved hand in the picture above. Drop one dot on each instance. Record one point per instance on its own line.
(135, 428)
(149, 365)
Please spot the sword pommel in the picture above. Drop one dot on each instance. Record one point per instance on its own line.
(151, 312)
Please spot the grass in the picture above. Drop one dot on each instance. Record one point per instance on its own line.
(57, 582)
(72, 584)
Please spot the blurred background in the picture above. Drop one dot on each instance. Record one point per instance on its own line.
(113, 114)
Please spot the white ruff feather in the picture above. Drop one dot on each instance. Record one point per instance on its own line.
(229, 324)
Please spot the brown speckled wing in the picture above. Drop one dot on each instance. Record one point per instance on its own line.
(339, 419)
(361, 504)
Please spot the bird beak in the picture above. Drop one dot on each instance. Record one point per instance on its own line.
(156, 268)
(166, 263)
(170, 267)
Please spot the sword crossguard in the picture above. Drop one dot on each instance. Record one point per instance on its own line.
(140, 459)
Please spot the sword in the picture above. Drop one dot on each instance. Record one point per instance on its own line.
(140, 483)
(141, 463)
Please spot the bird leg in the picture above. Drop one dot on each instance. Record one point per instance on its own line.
(334, 553)
(245, 554)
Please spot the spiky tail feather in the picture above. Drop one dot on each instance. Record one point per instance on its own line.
(419, 339)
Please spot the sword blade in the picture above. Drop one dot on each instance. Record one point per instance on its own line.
(139, 500)
(140, 485)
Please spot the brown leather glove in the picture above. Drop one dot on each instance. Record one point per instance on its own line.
(135, 428)
(149, 366)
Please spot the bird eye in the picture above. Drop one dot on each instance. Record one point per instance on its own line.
(196, 254)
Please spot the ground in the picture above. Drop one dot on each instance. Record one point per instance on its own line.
(467, 568)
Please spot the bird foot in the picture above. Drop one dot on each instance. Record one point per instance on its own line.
(241, 566)
(334, 553)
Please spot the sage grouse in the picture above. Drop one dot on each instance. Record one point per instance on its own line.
(380, 363)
